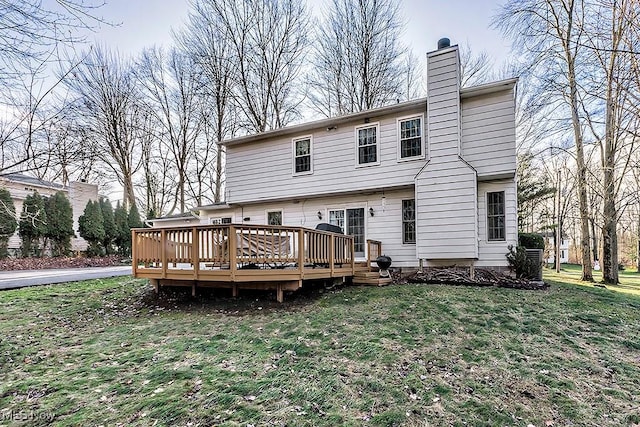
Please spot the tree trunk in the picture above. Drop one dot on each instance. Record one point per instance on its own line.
(594, 239)
(587, 274)
(218, 183)
(638, 254)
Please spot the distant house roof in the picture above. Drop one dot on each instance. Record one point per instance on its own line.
(26, 179)
(212, 206)
(175, 216)
(185, 215)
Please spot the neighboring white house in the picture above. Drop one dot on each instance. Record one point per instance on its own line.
(433, 179)
(79, 193)
(564, 250)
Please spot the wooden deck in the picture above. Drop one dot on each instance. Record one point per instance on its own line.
(240, 256)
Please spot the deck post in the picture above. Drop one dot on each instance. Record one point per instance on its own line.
(195, 253)
(353, 257)
(234, 290)
(279, 293)
(233, 251)
(301, 252)
(134, 254)
(163, 252)
(154, 283)
(193, 289)
(332, 253)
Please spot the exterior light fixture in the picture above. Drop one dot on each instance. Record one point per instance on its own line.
(319, 215)
(371, 211)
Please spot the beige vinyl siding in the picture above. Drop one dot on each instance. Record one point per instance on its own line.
(385, 225)
(488, 134)
(493, 253)
(79, 195)
(262, 170)
(443, 102)
(446, 206)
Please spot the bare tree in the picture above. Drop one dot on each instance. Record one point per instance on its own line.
(31, 33)
(267, 40)
(549, 33)
(213, 53)
(475, 68)
(107, 100)
(171, 84)
(358, 58)
(610, 39)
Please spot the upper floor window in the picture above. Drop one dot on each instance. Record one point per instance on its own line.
(302, 155)
(410, 137)
(367, 145)
(496, 227)
(274, 217)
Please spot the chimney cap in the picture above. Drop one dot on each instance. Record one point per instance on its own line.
(444, 43)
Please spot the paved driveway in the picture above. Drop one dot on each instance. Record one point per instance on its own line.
(23, 278)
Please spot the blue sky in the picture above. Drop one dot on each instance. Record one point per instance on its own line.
(148, 22)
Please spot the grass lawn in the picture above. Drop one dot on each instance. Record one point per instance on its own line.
(108, 352)
(571, 273)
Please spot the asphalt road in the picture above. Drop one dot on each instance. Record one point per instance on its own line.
(23, 278)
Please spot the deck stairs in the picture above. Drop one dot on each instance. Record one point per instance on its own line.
(362, 276)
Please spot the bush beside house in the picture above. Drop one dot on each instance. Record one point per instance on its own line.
(8, 223)
(91, 228)
(109, 226)
(33, 225)
(59, 224)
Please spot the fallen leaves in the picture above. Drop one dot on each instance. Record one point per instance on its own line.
(34, 263)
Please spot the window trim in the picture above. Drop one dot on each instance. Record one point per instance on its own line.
(293, 155)
(415, 231)
(357, 205)
(504, 215)
(423, 148)
(375, 125)
(344, 216)
(268, 211)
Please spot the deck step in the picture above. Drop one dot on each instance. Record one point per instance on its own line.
(371, 281)
(367, 274)
(371, 278)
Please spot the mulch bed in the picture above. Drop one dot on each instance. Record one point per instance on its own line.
(460, 276)
(60, 262)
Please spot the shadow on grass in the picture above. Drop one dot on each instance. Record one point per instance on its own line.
(247, 302)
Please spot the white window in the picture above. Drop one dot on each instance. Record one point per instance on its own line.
(410, 138)
(409, 221)
(336, 217)
(302, 156)
(367, 145)
(274, 217)
(496, 227)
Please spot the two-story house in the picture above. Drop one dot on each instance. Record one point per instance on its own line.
(433, 179)
(79, 193)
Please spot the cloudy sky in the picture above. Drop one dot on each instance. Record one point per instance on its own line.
(145, 23)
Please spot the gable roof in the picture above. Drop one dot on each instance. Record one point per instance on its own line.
(30, 180)
(388, 109)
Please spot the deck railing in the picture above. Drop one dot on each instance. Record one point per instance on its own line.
(235, 247)
(374, 250)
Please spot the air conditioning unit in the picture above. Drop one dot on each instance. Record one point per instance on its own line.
(535, 255)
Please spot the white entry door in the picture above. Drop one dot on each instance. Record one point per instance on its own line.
(352, 223)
